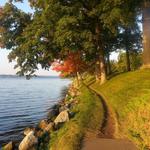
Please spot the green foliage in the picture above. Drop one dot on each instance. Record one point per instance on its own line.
(135, 60)
(59, 26)
(12, 23)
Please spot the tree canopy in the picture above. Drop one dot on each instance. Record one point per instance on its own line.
(58, 27)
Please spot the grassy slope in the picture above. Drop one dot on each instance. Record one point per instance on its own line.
(129, 96)
(88, 117)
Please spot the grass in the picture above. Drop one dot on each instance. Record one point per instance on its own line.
(87, 117)
(129, 96)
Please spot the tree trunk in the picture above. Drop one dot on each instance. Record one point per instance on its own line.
(77, 82)
(146, 35)
(97, 71)
(108, 65)
(128, 60)
(79, 76)
(102, 68)
(101, 55)
(128, 63)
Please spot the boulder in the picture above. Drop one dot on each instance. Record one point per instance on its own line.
(43, 124)
(69, 105)
(73, 91)
(39, 133)
(63, 108)
(49, 127)
(9, 146)
(61, 102)
(28, 130)
(29, 142)
(75, 102)
(66, 96)
(62, 117)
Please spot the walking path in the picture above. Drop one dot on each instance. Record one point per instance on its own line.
(108, 144)
(104, 139)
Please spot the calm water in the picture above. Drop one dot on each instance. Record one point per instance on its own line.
(25, 102)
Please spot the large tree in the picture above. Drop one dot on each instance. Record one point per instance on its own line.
(87, 23)
(12, 23)
(146, 34)
(61, 25)
(29, 37)
(130, 40)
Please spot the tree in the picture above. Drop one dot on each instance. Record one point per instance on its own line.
(72, 65)
(111, 45)
(31, 43)
(135, 61)
(146, 34)
(85, 23)
(12, 23)
(74, 25)
(130, 41)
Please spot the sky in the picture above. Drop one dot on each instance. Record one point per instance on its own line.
(8, 68)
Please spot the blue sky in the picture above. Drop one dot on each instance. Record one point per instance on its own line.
(24, 6)
(5, 66)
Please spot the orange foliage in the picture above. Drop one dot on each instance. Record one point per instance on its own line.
(72, 64)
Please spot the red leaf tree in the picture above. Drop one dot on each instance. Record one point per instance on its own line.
(72, 65)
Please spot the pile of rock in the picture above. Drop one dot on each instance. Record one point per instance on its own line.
(57, 115)
(73, 91)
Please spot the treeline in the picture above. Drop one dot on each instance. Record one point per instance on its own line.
(72, 35)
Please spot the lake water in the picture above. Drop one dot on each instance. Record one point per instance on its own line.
(25, 102)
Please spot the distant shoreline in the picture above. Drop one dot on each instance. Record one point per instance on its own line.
(16, 76)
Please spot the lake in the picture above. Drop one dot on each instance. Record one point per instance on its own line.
(24, 103)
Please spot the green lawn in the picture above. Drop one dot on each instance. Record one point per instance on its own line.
(89, 116)
(128, 95)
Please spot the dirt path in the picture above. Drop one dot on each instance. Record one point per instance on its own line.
(108, 144)
(104, 139)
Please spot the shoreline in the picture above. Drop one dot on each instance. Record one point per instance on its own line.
(35, 127)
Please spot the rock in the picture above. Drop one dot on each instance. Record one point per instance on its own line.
(49, 127)
(61, 102)
(73, 91)
(9, 146)
(62, 117)
(39, 133)
(63, 108)
(66, 96)
(73, 94)
(76, 101)
(43, 124)
(27, 130)
(68, 105)
(29, 142)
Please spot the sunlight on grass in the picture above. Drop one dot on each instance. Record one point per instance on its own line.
(129, 96)
(89, 116)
